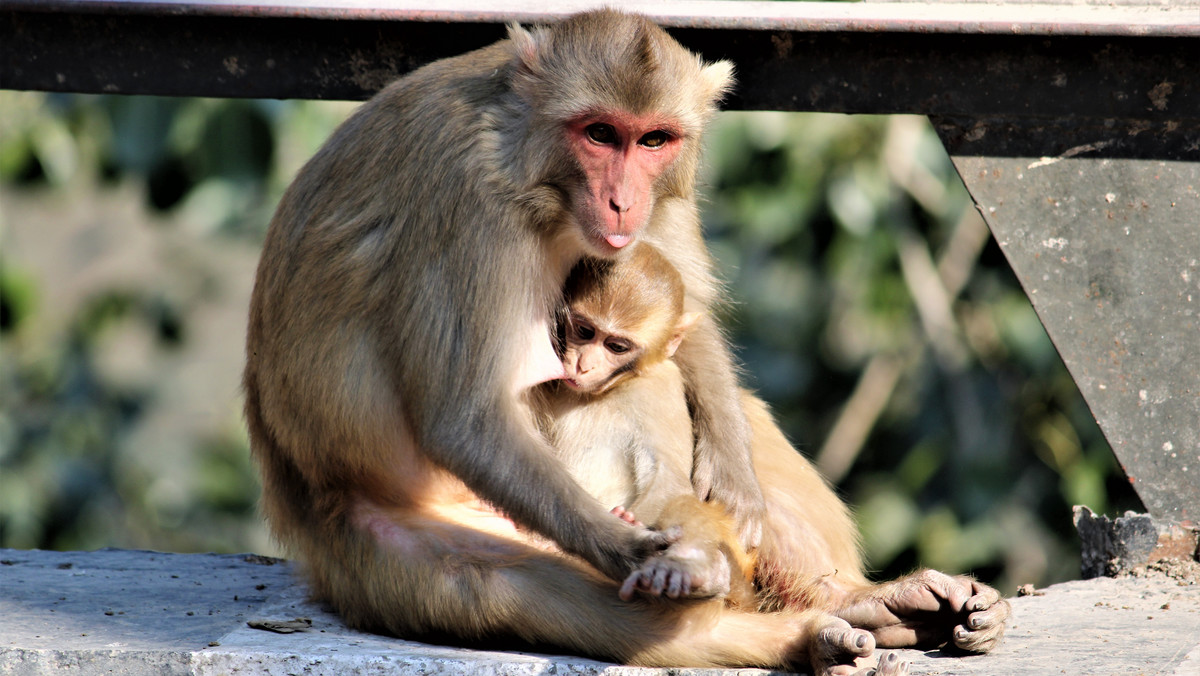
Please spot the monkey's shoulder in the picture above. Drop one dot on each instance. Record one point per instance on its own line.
(455, 83)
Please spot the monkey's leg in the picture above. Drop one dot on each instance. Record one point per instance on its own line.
(704, 560)
(417, 577)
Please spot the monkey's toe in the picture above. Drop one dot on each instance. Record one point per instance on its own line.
(891, 665)
(984, 628)
(838, 646)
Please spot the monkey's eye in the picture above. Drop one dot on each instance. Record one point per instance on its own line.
(617, 346)
(655, 139)
(583, 331)
(601, 133)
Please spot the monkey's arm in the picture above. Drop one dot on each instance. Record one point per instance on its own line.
(721, 470)
(505, 461)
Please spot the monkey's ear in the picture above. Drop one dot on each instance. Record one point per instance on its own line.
(686, 322)
(525, 47)
(718, 79)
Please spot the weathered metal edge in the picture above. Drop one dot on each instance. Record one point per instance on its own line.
(1052, 78)
(875, 17)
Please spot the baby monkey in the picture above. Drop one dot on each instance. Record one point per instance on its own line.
(619, 420)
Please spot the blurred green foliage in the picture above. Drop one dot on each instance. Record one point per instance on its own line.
(823, 225)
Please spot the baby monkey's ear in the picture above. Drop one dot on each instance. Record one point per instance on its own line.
(687, 321)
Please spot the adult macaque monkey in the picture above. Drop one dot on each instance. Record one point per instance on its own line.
(402, 306)
(619, 421)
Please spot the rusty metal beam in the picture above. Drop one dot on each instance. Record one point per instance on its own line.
(954, 59)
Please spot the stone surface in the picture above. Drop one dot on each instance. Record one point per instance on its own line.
(132, 612)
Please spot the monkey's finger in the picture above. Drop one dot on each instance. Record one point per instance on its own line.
(654, 542)
(840, 640)
(985, 597)
(994, 616)
(948, 591)
(702, 480)
(751, 533)
(891, 665)
(977, 641)
(673, 534)
(625, 515)
(959, 591)
(660, 580)
(678, 584)
(630, 584)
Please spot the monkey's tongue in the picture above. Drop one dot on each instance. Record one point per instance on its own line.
(617, 241)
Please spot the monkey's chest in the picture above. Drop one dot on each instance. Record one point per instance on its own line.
(595, 446)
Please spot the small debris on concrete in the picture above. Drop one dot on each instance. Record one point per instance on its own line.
(260, 560)
(282, 626)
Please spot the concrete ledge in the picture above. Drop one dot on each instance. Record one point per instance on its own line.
(133, 612)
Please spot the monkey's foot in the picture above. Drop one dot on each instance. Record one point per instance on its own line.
(684, 569)
(841, 650)
(930, 609)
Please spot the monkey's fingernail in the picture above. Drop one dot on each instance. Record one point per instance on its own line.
(891, 657)
(860, 642)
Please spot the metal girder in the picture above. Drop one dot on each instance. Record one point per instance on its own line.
(941, 59)
(1102, 227)
(1076, 129)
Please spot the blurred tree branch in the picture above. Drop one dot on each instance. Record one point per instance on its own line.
(933, 287)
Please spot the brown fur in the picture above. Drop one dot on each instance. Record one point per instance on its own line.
(401, 305)
(628, 446)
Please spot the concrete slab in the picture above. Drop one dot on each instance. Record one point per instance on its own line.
(134, 612)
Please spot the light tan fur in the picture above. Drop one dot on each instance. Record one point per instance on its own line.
(622, 426)
(628, 444)
(401, 306)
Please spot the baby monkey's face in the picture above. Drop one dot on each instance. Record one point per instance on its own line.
(597, 357)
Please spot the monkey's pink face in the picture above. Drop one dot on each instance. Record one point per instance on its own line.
(594, 360)
(622, 155)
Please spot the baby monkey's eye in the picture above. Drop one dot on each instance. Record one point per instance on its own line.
(617, 346)
(584, 331)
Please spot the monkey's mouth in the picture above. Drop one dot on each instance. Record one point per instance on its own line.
(618, 241)
(606, 245)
